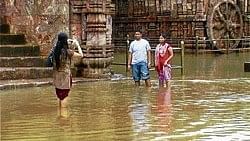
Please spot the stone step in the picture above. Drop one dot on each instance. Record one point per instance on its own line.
(7, 73)
(19, 50)
(2, 19)
(33, 61)
(4, 28)
(12, 39)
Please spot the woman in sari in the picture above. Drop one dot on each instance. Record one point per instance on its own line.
(163, 55)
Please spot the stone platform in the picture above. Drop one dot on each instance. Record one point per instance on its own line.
(25, 83)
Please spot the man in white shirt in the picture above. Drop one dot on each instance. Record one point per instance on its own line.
(139, 59)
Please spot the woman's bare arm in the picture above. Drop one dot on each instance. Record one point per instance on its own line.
(79, 53)
(171, 54)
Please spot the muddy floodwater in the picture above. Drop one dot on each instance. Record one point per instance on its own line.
(211, 102)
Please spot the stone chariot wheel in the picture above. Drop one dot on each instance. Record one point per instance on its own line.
(224, 24)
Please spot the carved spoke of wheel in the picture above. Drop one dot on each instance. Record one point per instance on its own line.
(225, 24)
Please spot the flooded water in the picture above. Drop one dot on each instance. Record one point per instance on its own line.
(210, 103)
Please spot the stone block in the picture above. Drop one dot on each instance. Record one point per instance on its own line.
(25, 73)
(19, 50)
(12, 39)
(22, 61)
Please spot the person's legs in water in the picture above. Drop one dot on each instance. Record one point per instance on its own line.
(148, 83)
(137, 83)
(161, 84)
(62, 109)
(167, 83)
(161, 79)
(144, 72)
(136, 74)
(64, 102)
(167, 74)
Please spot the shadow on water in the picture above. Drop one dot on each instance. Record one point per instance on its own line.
(209, 104)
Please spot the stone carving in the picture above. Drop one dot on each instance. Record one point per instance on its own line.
(94, 16)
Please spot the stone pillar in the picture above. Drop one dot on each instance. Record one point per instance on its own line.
(241, 4)
(247, 6)
(2, 10)
(97, 47)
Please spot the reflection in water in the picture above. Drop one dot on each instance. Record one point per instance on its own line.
(214, 66)
(164, 108)
(63, 112)
(140, 110)
(198, 107)
(192, 110)
(63, 117)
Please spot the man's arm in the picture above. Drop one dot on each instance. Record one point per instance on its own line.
(149, 58)
(130, 55)
(148, 54)
(129, 60)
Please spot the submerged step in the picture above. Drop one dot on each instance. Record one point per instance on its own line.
(25, 73)
(22, 61)
(12, 39)
(19, 50)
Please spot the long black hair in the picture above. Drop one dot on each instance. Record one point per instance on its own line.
(61, 47)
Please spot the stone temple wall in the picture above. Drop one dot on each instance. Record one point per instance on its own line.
(39, 20)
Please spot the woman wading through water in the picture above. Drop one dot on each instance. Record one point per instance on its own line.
(62, 56)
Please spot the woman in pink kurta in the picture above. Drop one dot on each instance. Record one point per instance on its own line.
(163, 56)
(62, 56)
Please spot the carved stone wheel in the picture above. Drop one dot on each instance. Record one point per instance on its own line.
(224, 24)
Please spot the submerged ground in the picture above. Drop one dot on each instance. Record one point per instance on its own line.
(210, 102)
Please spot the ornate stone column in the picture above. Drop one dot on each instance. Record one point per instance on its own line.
(248, 7)
(2, 10)
(96, 45)
(4, 28)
